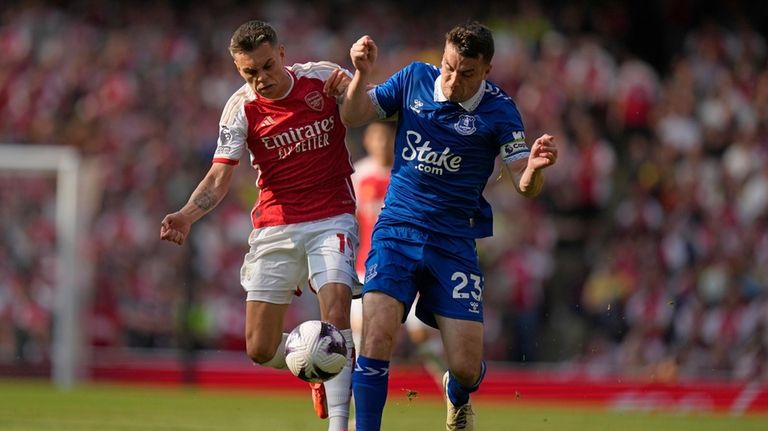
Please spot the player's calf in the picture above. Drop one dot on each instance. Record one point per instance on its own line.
(263, 355)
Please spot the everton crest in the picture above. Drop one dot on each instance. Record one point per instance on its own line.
(466, 125)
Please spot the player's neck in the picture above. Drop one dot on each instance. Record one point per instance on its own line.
(285, 86)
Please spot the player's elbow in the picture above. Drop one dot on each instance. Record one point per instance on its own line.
(356, 113)
(529, 193)
(352, 119)
(529, 190)
(348, 122)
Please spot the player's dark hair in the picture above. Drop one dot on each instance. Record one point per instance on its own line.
(250, 35)
(472, 40)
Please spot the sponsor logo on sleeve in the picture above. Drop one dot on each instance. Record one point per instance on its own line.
(517, 149)
(225, 135)
(224, 147)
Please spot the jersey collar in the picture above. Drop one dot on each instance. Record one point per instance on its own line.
(290, 88)
(469, 105)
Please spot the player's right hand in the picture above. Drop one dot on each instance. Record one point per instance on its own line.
(363, 54)
(175, 228)
(336, 84)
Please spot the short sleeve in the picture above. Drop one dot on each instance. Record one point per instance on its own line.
(512, 136)
(233, 125)
(388, 96)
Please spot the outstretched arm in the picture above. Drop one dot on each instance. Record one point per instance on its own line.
(211, 190)
(528, 173)
(357, 108)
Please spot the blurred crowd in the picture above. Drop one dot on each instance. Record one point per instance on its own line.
(647, 252)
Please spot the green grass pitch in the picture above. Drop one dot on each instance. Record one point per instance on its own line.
(36, 406)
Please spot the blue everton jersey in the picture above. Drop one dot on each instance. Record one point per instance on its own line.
(445, 151)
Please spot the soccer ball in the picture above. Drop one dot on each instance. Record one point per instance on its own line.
(315, 351)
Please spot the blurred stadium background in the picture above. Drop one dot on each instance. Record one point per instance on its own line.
(645, 260)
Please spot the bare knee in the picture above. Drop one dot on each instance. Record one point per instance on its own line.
(463, 342)
(259, 352)
(466, 375)
(381, 323)
(377, 343)
(263, 329)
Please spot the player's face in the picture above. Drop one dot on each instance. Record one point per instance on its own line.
(379, 142)
(460, 77)
(263, 70)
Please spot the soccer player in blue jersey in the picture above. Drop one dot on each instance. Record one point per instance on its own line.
(452, 124)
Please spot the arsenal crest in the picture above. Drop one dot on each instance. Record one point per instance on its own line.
(314, 100)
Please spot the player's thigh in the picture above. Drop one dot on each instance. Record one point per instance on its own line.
(392, 273)
(463, 345)
(275, 266)
(394, 265)
(455, 286)
(331, 245)
(418, 331)
(382, 317)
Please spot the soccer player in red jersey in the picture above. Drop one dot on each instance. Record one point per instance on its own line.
(304, 227)
(370, 180)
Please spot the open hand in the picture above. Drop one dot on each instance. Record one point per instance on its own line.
(543, 153)
(337, 83)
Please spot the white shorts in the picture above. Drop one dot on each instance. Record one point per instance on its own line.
(282, 258)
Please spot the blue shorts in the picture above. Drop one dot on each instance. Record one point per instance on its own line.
(444, 271)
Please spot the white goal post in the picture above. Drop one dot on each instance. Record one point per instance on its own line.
(68, 350)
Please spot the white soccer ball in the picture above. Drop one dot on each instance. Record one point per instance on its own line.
(315, 351)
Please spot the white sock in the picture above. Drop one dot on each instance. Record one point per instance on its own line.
(338, 390)
(278, 361)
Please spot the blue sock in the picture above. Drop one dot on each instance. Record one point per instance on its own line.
(369, 385)
(459, 395)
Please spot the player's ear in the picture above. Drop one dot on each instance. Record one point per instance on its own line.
(234, 60)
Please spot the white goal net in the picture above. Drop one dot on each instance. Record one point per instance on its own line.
(20, 162)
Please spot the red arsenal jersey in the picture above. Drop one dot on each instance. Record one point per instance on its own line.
(297, 144)
(370, 181)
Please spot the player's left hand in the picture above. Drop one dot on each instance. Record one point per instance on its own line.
(543, 153)
(336, 84)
